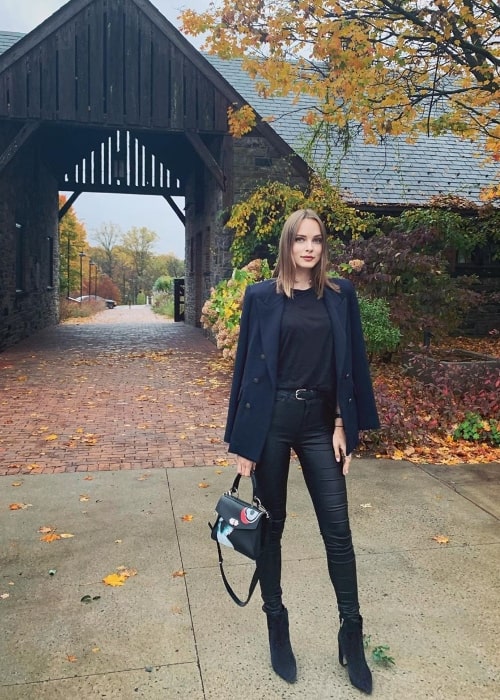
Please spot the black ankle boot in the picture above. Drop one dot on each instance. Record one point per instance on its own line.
(352, 653)
(282, 658)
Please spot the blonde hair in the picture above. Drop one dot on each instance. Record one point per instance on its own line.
(285, 265)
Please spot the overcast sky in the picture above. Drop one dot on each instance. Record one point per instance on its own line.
(96, 209)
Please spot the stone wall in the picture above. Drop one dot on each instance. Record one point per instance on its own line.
(29, 271)
(257, 162)
(247, 163)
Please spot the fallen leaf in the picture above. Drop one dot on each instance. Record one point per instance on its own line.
(143, 477)
(88, 478)
(17, 483)
(178, 574)
(114, 580)
(84, 498)
(95, 650)
(20, 506)
(66, 535)
(365, 505)
(71, 658)
(45, 528)
(22, 378)
(51, 437)
(4, 596)
(187, 518)
(222, 462)
(176, 609)
(51, 537)
(124, 571)
(118, 541)
(203, 485)
(441, 539)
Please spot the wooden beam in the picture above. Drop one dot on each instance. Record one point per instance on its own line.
(17, 143)
(207, 158)
(176, 209)
(69, 203)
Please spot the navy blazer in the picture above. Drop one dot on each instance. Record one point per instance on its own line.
(254, 387)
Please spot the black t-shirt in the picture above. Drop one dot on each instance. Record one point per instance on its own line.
(306, 344)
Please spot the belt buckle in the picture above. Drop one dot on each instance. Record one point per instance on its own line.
(299, 398)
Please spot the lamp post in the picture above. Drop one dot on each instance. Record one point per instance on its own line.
(82, 255)
(90, 277)
(91, 265)
(68, 267)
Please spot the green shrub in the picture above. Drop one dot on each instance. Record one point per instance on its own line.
(221, 312)
(163, 304)
(477, 429)
(382, 337)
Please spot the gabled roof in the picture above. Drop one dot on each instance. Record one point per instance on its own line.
(394, 174)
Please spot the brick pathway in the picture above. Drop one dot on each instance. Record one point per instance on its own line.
(127, 390)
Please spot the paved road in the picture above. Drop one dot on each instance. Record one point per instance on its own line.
(127, 390)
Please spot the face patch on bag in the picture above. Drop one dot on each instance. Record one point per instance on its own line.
(249, 515)
(223, 532)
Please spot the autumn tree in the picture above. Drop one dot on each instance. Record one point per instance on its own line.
(72, 241)
(391, 67)
(137, 247)
(108, 236)
(167, 264)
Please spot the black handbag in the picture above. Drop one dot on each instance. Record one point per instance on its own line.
(240, 526)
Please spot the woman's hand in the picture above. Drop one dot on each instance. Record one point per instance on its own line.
(244, 466)
(339, 448)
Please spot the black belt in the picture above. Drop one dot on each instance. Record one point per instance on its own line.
(300, 394)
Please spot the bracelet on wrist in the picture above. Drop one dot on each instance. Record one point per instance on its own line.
(338, 425)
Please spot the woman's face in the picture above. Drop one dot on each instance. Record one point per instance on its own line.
(308, 245)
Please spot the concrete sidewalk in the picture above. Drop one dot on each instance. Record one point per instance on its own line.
(112, 433)
(161, 635)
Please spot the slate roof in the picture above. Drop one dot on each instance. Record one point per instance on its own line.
(7, 39)
(395, 174)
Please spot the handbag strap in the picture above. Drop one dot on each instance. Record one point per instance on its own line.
(233, 595)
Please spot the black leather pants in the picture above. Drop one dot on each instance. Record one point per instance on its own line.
(306, 426)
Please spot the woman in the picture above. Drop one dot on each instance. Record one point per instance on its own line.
(301, 381)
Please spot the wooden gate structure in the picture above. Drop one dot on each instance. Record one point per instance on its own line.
(107, 96)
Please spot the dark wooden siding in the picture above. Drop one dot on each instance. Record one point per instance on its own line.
(111, 64)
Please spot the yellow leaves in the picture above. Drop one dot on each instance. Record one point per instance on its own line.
(120, 577)
(17, 483)
(19, 506)
(71, 658)
(51, 437)
(441, 539)
(187, 518)
(241, 121)
(203, 485)
(179, 574)
(50, 535)
(84, 498)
